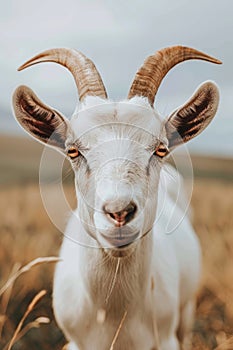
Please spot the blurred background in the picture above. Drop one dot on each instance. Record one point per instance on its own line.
(117, 36)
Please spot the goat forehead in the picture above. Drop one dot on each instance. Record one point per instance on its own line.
(116, 152)
(119, 120)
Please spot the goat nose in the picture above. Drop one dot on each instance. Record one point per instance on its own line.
(122, 217)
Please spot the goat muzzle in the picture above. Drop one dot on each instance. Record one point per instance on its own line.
(122, 217)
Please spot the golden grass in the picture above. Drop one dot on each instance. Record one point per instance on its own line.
(118, 330)
(26, 268)
(213, 220)
(30, 307)
(6, 290)
(26, 233)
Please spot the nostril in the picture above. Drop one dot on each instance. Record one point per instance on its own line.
(121, 217)
(131, 210)
(114, 216)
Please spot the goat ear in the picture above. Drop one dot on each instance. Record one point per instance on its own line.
(39, 120)
(189, 120)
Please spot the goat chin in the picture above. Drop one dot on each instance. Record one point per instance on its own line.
(121, 252)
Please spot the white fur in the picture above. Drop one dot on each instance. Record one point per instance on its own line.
(155, 279)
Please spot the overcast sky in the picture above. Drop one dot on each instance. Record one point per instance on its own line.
(118, 36)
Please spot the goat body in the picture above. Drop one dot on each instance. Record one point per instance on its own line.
(126, 281)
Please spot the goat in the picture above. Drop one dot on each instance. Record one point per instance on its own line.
(136, 277)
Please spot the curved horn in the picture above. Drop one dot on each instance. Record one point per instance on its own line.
(150, 75)
(86, 76)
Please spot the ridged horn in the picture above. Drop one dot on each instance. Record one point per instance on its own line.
(87, 78)
(150, 75)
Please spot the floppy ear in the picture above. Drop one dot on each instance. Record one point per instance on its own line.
(189, 120)
(39, 120)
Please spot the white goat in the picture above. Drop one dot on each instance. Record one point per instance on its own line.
(138, 278)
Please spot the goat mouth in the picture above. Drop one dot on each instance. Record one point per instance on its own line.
(120, 241)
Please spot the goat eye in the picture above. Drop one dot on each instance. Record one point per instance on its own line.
(73, 152)
(161, 150)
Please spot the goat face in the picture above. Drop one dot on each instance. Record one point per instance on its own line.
(117, 171)
(117, 149)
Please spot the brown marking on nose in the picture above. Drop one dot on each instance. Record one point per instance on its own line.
(122, 217)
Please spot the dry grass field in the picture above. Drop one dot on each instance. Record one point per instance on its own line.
(26, 233)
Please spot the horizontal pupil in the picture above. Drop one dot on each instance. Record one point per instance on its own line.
(161, 151)
(73, 152)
